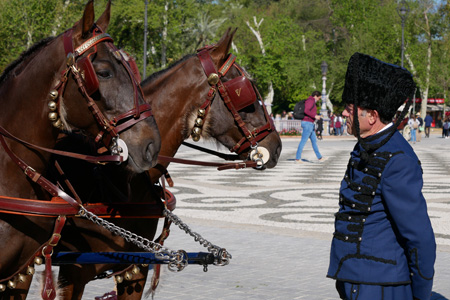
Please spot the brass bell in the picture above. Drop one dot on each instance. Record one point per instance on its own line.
(199, 122)
(201, 112)
(21, 277)
(30, 270)
(53, 94)
(135, 270)
(57, 124)
(38, 260)
(195, 137)
(119, 279)
(12, 284)
(52, 116)
(2, 287)
(128, 275)
(213, 79)
(52, 105)
(197, 131)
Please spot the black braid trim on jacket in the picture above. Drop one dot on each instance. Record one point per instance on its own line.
(416, 261)
(359, 206)
(355, 218)
(360, 256)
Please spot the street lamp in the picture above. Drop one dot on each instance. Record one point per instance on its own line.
(403, 11)
(323, 110)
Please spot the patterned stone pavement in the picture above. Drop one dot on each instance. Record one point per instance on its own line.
(278, 223)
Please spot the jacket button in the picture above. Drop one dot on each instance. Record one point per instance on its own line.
(346, 238)
(373, 193)
(349, 218)
(353, 205)
(360, 239)
(354, 291)
(359, 188)
(390, 155)
(363, 220)
(379, 174)
(365, 170)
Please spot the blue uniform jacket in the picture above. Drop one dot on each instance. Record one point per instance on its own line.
(383, 235)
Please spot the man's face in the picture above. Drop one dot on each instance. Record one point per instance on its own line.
(316, 98)
(362, 118)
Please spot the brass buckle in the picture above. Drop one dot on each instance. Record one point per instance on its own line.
(28, 168)
(55, 235)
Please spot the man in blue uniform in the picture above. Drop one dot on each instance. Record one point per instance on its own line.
(383, 245)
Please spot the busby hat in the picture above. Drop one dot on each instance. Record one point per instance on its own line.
(373, 84)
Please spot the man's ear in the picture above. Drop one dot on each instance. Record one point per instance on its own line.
(373, 116)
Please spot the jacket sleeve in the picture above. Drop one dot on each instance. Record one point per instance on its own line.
(402, 193)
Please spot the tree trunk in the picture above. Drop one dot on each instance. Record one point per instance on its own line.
(268, 100)
(164, 35)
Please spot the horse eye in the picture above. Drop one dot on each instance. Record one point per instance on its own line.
(104, 74)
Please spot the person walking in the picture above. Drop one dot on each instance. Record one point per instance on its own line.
(428, 120)
(413, 124)
(319, 127)
(383, 245)
(421, 128)
(445, 128)
(308, 131)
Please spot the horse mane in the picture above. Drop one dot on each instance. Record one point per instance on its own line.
(159, 73)
(33, 49)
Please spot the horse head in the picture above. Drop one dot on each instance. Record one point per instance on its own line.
(238, 118)
(115, 104)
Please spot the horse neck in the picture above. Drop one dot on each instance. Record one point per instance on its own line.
(24, 97)
(175, 96)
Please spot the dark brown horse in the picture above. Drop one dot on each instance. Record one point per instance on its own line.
(177, 93)
(76, 82)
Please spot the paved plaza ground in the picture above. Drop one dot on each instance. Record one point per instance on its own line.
(278, 224)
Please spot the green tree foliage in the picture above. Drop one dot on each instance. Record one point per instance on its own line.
(297, 36)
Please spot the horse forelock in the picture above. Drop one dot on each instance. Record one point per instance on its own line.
(25, 54)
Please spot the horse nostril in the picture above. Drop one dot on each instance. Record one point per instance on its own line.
(149, 152)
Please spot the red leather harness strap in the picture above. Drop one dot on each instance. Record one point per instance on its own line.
(251, 138)
(49, 290)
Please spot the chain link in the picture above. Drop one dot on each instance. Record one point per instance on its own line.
(221, 255)
(178, 260)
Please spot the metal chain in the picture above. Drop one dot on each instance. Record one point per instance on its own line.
(178, 260)
(221, 255)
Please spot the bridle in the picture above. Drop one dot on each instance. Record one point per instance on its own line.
(237, 94)
(83, 72)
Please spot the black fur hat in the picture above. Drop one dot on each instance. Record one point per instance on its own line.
(373, 84)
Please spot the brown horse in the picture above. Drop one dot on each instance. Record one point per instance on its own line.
(77, 82)
(178, 93)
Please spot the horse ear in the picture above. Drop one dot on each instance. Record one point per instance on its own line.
(84, 26)
(220, 51)
(103, 21)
